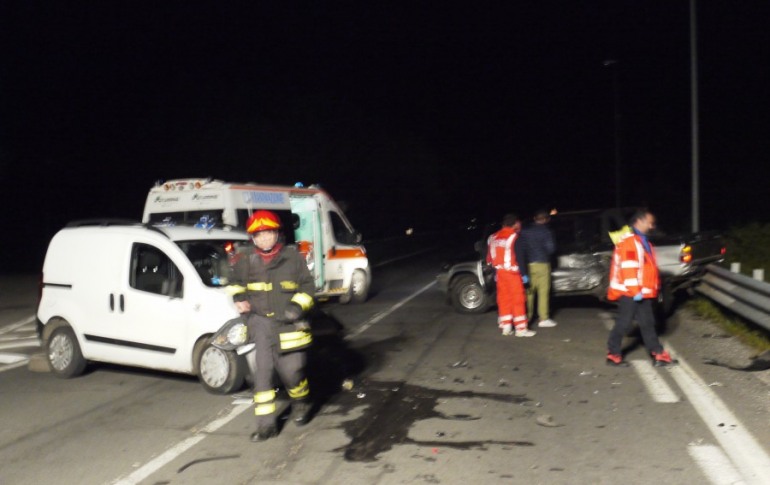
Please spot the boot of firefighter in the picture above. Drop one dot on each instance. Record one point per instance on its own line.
(301, 411)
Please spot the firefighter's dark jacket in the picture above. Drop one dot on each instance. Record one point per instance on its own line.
(270, 288)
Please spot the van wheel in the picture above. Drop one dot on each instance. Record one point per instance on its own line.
(219, 371)
(359, 288)
(468, 296)
(64, 355)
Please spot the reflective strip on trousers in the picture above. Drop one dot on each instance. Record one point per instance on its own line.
(294, 340)
(302, 390)
(264, 409)
(264, 402)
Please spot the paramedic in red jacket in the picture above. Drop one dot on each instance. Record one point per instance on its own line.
(634, 284)
(511, 275)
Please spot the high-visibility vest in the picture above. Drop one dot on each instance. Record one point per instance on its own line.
(500, 253)
(633, 270)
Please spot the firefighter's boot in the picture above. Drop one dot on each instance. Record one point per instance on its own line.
(264, 433)
(300, 411)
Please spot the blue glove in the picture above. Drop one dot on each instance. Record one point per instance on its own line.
(525, 279)
(638, 297)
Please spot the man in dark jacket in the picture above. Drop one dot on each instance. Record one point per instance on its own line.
(539, 247)
(272, 287)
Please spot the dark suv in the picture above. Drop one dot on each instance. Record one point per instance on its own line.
(580, 265)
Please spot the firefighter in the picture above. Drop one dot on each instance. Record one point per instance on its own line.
(634, 284)
(503, 253)
(272, 287)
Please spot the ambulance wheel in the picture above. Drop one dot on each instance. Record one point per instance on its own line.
(468, 296)
(64, 356)
(359, 288)
(219, 371)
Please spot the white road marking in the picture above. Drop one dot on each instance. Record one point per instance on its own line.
(372, 321)
(154, 465)
(7, 358)
(172, 453)
(608, 320)
(659, 390)
(17, 324)
(14, 365)
(749, 457)
(715, 465)
(20, 342)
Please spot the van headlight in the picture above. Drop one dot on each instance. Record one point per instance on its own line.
(233, 334)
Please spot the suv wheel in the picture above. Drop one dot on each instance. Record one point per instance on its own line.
(468, 296)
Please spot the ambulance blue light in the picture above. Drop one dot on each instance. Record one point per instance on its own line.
(299, 185)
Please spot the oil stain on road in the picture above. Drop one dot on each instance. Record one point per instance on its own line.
(395, 407)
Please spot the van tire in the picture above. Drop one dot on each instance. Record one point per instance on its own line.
(219, 371)
(359, 288)
(63, 353)
(468, 296)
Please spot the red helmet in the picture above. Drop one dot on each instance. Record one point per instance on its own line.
(263, 220)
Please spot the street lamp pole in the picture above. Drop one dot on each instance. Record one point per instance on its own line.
(613, 63)
(694, 118)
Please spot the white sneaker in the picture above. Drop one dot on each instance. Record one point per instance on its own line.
(525, 333)
(546, 323)
(507, 330)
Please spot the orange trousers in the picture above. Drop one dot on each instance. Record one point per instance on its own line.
(511, 300)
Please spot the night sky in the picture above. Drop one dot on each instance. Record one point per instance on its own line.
(416, 114)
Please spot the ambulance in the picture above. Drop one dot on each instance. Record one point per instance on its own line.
(331, 246)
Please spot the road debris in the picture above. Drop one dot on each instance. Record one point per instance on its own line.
(547, 421)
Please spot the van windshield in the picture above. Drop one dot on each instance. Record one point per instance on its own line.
(210, 259)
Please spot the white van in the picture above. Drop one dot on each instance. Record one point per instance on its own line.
(322, 233)
(141, 296)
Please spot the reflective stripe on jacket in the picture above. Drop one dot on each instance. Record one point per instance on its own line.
(502, 252)
(271, 287)
(633, 270)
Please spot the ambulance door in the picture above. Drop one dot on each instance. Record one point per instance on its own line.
(309, 237)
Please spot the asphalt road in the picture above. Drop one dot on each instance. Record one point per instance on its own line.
(436, 397)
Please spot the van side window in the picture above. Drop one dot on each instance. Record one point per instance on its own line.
(152, 271)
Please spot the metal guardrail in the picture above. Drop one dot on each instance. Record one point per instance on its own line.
(745, 296)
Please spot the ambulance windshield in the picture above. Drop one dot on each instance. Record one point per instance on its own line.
(207, 218)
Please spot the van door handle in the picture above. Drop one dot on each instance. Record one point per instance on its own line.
(112, 302)
(122, 304)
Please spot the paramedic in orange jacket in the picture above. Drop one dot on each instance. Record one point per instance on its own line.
(511, 275)
(634, 284)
